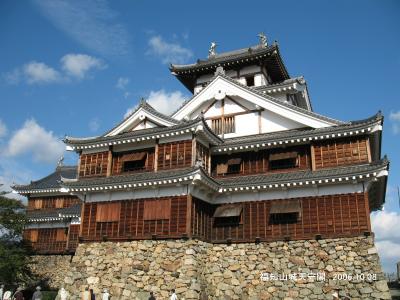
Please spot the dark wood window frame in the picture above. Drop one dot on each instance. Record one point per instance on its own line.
(223, 125)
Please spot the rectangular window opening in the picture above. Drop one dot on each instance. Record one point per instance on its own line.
(223, 125)
(250, 80)
(286, 160)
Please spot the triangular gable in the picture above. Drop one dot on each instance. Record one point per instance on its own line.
(145, 116)
(223, 86)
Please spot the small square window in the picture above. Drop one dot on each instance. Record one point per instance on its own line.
(250, 80)
(167, 156)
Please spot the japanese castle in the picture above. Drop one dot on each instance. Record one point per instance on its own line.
(244, 160)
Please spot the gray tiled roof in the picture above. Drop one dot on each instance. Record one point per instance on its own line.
(51, 181)
(277, 178)
(146, 106)
(129, 178)
(226, 57)
(300, 133)
(299, 79)
(143, 133)
(56, 214)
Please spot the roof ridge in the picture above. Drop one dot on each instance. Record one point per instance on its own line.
(252, 50)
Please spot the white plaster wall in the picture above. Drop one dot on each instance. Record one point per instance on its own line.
(242, 80)
(138, 193)
(259, 79)
(214, 110)
(245, 124)
(271, 122)
(231, 107)
(144, 125)
(246, 196)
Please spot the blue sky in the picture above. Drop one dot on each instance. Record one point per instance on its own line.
(77, 67)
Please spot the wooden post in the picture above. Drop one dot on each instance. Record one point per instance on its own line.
(109, 162)
(367, 211)
(223, 117)
(69, 231)
(79, 165)
(368, 150)
(156, 157)
(193, 150)
(313, 158)
(189, 215)
(82, 215)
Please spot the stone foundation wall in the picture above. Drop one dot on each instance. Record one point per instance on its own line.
(51, 268)
(199, 270)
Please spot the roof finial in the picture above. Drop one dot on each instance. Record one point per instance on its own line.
(211, 51)
(263, 39)
(60, 162)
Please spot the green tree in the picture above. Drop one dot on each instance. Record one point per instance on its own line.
(14, 256)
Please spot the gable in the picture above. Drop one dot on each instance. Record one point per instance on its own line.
(141, 119)
(222, 88)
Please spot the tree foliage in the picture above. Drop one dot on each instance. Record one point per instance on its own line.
(14, 256)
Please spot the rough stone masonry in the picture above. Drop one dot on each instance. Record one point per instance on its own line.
(198, 270)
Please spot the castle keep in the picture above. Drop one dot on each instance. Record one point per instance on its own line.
(243, 179)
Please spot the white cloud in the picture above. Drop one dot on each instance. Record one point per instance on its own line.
(91, 23)
(77, 65)
(3, 129)
(31, 138)
(395, 118)
(168, 52)
(385, 225)
(389, 254)
(389, 250)
(73, 66)
(122, 82)
(38, 72)
(163, 101)
(94, 124)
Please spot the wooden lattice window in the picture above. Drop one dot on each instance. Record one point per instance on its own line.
(59, 203)
(93, 164)
(108, 212)
(38, 204)
(223, 125)
(33, 235)
(157, 209)
(61, 235)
